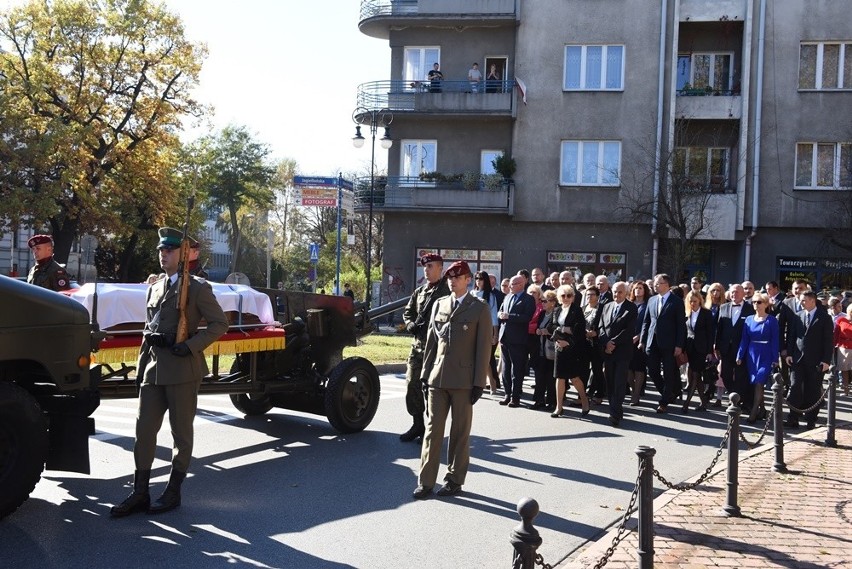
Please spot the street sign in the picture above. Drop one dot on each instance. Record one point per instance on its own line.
(314, 182)
(313, 249)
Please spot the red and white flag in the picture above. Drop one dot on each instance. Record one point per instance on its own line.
(522, 87)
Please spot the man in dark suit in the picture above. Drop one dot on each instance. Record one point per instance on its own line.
(455, 363)
(514, 316)
(663, 338)
(605, 294)
(729, 332)
(787, 315)
(810, 342)
(169, 375)
(615, 340)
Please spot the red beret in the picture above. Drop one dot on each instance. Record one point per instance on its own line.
(430, 257)
(457, 269)
(39, 240)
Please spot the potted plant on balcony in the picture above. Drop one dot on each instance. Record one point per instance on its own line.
(505, 166)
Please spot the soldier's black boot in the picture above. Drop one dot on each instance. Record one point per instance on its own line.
(416, 430)
(171, 495)
(138, 500)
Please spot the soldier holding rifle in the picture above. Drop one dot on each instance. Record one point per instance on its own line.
(417, 316)
(170, 368)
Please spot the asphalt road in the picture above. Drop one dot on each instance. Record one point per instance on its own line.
(285, 490)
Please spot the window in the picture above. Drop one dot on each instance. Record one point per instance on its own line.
(590, 163)
(823, 165)
(418, 156)
(593, 68)
(701, 167)
(824, 66)
(703, 70)
(486, 161)
(417, 61)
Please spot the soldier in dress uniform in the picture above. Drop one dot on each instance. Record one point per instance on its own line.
(416, 318)
(456, 361)
(195, 268)
(169, 376)
(46, 273)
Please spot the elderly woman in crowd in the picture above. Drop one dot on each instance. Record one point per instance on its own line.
(759, 350)
(533, 341)
(569, 331)
(595, 381)
(639, 294)
(544, 395)
(699, 347)
(843, 345)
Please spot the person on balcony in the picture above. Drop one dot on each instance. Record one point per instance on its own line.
(435, 77)
(492, 80)
(474, 75)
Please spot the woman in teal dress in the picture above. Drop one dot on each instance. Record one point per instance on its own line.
(759, 350)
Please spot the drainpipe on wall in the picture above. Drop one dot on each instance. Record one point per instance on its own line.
(655, 248)
(758, 113)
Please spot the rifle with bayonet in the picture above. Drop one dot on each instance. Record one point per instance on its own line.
(184, 277)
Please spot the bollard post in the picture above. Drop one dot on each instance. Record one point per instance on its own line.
(731, 509)
(646, 506)
(778, 426)
(525, 539)
(830, 441)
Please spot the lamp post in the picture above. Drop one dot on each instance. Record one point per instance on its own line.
(375, 119)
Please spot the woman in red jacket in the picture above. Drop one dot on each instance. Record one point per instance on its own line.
(843, 345)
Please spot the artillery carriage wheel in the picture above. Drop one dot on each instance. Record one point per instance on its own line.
(23, 446)
(352, 395)
(248, 403)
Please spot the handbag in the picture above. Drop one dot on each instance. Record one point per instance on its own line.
(549, 349)
(682, 358)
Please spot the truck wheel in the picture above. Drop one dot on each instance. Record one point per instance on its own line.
(247, 403)
(23, 446)
(352, 395)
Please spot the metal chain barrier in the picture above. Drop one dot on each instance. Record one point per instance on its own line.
(622, 528)
(704, 476)
(539, 560)
(812, 407)
(769, 419)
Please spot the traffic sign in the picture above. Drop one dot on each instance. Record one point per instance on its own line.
(313, 249)
(314, 182)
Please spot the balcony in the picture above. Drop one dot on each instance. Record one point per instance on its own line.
(444, 97)
(712, 10)
(403, 193)
(379, 16)
(701, 104)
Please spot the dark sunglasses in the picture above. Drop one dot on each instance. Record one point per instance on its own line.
(757, 302)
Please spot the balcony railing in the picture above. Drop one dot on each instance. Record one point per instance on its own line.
(373, 8)
(484, 194)
(487, 97)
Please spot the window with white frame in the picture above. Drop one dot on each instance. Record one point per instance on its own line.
(417, 62)
(593, 68)
(486, 161)
(418, 156)
(824, 165)
(825, 65)
(590, 163)
(701, 167)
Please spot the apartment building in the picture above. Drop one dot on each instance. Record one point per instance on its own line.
(709, 137)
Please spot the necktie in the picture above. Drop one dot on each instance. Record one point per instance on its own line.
(455, 304)
(511, 302)
(807, 319)
(660, 305)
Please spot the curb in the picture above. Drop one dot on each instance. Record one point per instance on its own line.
(394, 368)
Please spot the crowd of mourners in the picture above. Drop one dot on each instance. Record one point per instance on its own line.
(692, 341)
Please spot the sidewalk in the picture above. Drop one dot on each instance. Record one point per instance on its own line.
(801, 518)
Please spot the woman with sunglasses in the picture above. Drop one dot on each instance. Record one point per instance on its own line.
(759, 350)
(569, 330)
(699, 348)
(482, 289)
(639, 295)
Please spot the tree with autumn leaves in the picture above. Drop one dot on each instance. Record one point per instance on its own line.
(93, 95)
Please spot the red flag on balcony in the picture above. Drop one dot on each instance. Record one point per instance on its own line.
(522, 87)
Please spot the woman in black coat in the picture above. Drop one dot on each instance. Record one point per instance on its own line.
(569, 329)
(699, 346)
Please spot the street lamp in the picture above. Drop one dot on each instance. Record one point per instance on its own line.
(377, 118)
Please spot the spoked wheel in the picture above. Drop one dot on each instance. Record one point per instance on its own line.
(248, 403)
(352, 395)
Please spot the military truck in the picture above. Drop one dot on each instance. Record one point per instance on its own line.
(56, 365)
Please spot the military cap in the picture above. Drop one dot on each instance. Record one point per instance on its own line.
(170, 238)
(457, 269)
(430, 257)
(39, 240)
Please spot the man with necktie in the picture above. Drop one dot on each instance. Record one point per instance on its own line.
(514, 316)
(615, 341)
(787, 314)
(729, 332)
(455, 364)
(663, 338)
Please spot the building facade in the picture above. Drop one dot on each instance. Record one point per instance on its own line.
(635, 127)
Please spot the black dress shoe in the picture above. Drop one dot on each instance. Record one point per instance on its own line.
(514, 403)
(661, 409)
(791, 424)
(505, 401)
(421, 493)
(450, 489)
(556, 414)
(613, 421)
(415, 432)
(811, 425)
